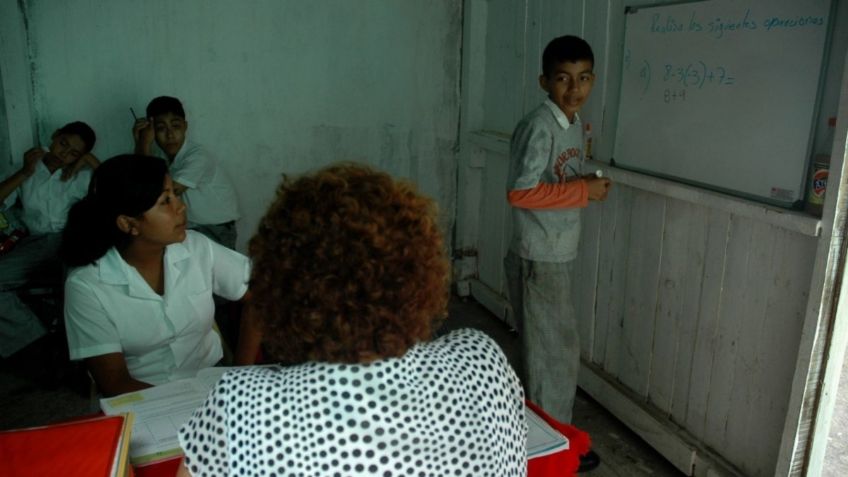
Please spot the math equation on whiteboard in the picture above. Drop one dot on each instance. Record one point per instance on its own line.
(691, 75)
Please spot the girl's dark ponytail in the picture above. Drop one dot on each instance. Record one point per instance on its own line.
(87, 235)
(123, 185)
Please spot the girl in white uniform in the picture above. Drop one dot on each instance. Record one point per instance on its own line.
(138, 305)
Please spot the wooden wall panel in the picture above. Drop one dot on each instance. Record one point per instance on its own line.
(640, 292)
(699, 312)
(733, 300)
(777, 344)
(696, 399)
(615, 238)
(585, 277)
(757, 277)
(503, 99)
(494, 215)
(678, 298)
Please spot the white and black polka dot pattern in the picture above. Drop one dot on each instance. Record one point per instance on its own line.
(450, 407)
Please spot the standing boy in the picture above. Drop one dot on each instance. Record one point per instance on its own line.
(546, 190)
(212, 207)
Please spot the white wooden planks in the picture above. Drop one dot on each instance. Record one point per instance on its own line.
(493, 218)
(712, 283)
(698, 312)
(640, 291)
(612, 264)
(678, 297)
(585, 278)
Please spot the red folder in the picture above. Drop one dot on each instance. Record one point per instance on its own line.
(79, 448)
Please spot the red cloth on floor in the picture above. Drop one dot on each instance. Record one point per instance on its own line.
(561, 464)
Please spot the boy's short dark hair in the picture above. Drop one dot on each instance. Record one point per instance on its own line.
(82, 130)
(164, 105)
(565, 48)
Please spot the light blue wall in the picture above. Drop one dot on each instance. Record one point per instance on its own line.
(272, 86)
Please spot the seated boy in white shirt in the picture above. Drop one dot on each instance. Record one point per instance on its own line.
(48, 183)
(198, 178)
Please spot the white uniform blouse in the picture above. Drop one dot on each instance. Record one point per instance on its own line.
(109, 308)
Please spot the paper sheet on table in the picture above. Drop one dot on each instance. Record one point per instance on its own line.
(542, 439)
(160, 411)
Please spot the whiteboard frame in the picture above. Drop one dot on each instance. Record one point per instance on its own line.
(614, 103)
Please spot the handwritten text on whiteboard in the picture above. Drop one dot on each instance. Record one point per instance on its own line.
(717, 27)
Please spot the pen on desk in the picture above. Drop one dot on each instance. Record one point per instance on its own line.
(133, 113)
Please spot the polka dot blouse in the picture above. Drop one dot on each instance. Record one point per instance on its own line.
(449, 407)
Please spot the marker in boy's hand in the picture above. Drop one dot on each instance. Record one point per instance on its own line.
(143, 135)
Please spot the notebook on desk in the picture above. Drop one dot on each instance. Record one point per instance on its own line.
(93, 447)
(542, 438)
(159, 413)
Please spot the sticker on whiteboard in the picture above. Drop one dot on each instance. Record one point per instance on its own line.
(782, 194)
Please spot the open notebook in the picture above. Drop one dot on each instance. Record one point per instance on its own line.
(160, 411)
(542, 439)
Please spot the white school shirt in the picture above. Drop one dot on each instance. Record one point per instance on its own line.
(210, 197)
(46, 198)
(545, 147)
(109, 308)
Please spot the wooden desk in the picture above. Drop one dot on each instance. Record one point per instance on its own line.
(562, 464)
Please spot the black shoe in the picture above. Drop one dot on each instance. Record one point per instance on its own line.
(589, 461)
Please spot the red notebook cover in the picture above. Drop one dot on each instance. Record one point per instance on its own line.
(84, 448)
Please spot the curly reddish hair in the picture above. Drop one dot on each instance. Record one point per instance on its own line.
(349, 267)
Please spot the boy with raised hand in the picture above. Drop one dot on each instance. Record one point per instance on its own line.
(200, 182)
(547, 190)
(48, 183)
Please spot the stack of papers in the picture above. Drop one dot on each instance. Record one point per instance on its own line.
(159, 412)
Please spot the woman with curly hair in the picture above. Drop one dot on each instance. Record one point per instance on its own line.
(350, 281)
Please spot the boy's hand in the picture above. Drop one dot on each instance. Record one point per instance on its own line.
(143, 135)
(598, 187)
(71, 170)
(31, 158)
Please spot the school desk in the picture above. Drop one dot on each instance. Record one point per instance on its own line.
(561, 464)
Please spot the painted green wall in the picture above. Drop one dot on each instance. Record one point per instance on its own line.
(272, 87)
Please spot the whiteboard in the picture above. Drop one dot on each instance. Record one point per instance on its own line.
(722, 94)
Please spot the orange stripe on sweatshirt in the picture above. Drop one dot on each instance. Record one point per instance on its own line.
(551, 196)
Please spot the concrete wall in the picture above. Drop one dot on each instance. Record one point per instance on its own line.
(273, 87)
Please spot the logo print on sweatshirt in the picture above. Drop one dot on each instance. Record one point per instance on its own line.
(560, 166)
